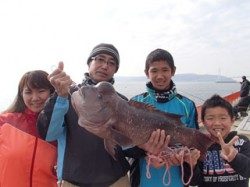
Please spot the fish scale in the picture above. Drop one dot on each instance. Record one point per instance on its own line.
(104, 113)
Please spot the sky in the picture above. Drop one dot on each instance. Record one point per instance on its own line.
(204, 36)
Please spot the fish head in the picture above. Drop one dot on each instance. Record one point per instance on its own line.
(94, 105)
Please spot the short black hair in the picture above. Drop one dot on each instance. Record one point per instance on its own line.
(157, 55)
(216, 101)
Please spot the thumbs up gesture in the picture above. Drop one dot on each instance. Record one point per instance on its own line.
(60, 80)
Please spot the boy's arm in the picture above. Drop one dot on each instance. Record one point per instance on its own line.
(50, 122)
(193, 117)
(241, 163)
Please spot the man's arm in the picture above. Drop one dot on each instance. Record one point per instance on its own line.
(51, 120)
(50, 123)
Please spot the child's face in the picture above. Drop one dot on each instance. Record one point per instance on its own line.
(216, 120)
(160, 74)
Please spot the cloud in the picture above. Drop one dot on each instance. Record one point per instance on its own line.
(37, 34)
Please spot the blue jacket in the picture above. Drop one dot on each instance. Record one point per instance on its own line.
(176, 104)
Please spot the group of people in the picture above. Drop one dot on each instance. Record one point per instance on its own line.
(41, 143)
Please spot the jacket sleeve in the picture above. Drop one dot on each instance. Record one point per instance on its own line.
(241, 163)
(50, 122)
(193, 117)
(134, 152)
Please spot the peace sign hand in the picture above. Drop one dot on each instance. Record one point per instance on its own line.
(228, 152)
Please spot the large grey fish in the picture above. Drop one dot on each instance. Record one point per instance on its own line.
(104, 113)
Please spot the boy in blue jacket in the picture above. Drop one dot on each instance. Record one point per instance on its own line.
(162, 93)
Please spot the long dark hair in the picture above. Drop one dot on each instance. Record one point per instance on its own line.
(36, 79)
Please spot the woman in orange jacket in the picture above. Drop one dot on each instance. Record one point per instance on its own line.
(25, 159)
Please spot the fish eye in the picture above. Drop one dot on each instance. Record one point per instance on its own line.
(99, 96)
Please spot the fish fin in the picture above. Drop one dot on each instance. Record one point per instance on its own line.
(141, 105)
(151, 108)
(110, 147)
(120, 138)
(204, 141)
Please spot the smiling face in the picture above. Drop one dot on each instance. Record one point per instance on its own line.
(35, 98)
(160, 74)
(217, 119)
(34, 89)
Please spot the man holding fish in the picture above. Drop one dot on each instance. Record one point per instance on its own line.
(82, 157)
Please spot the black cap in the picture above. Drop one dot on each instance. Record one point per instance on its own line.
(105, 49)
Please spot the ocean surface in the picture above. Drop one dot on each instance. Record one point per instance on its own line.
(197, 91)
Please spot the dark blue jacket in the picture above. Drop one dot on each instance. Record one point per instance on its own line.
(82, 158)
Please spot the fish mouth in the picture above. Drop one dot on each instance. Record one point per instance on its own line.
(82, 94)
(87, 121)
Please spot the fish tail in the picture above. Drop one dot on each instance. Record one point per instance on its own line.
(203, 142)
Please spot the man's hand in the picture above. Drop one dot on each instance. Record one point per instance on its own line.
(156, 143)
(60, 80)
(155, 162)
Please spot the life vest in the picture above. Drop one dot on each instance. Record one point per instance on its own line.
(25, 160)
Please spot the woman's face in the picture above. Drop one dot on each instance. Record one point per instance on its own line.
(34, 98)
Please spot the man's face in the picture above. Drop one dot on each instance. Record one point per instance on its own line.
(160, 74)
(102, 67)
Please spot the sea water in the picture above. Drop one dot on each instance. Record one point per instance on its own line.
(197, 91)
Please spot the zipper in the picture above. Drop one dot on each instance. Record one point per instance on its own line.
(32, 162)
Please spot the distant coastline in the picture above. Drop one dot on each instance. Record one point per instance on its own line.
(189, 77)
(225, 81)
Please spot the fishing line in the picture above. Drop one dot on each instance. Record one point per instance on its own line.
(53, 68)
(192, 95)
(72, 87)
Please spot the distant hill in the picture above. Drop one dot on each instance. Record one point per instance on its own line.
(189, 77)
(201, 78)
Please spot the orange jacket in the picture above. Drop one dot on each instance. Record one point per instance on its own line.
(25, 121)
(25, 160)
